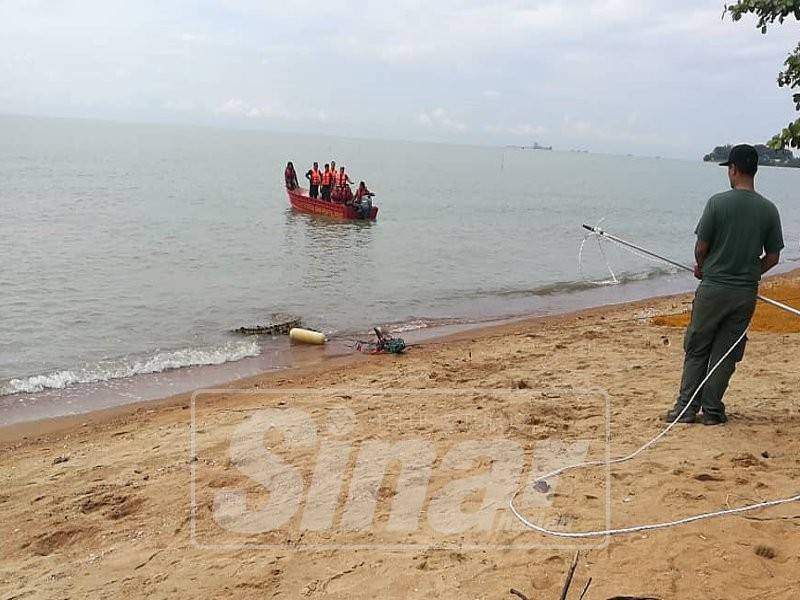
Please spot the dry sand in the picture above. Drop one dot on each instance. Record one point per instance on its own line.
(99, 506)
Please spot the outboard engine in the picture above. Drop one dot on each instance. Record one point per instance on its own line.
(365, 208)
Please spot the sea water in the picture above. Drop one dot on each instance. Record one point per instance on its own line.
(129, 251)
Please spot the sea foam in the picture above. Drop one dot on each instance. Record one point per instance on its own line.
(129, 366)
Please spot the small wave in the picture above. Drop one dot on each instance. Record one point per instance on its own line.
(567, 287)
(398, 327)
(130, 366)
(632, 276)
(410, 326)
(417, 323)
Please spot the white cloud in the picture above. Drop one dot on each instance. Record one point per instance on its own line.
(439, 118)
(629, 130)
(516, 65)
(236, 107)
(180, 105)
(239, 108)
(193, 37)
(522, 130)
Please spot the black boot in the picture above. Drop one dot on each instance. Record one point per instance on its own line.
(714, 419)
(688, 417)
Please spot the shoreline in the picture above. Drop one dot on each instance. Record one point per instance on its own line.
(278, 354)
(321, 364)
(125, 502)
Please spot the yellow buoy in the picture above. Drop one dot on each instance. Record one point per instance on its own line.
(306, 336)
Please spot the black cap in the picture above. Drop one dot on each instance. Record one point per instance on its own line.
(744, 157)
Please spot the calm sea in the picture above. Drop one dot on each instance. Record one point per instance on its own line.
(129, 252)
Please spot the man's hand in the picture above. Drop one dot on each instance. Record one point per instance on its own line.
(701, 249)
(769, 260)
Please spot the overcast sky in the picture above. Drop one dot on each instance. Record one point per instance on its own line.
(639, 76)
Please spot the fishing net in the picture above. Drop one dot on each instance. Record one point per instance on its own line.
(608, 251)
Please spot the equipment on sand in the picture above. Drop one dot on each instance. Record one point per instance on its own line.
(306, 336)
(384, 344)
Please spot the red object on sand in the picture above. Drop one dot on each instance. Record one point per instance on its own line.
(301, 202)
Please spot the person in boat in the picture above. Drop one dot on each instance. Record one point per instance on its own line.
(344, 193)
(363, 200)
(314, 179)
(342, 179)
(290, 175)
(334, 175)
(327, 181)
(362, 193)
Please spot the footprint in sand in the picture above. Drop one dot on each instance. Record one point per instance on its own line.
(747, 460)
(50, 543)
(708, 477)
(118, 505)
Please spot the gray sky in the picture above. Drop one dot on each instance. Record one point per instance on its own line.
(639, 76)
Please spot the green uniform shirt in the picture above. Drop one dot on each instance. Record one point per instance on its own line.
(739, 226)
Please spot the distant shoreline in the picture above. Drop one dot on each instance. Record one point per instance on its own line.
(767, 157)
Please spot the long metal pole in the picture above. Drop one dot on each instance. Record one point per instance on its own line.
(614, 238)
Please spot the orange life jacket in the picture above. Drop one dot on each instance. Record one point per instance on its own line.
(315, 177)
(341, 178)
(326, 178)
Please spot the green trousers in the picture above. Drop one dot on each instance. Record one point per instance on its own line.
(719, 316)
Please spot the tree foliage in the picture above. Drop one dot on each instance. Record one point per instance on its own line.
(768, 12)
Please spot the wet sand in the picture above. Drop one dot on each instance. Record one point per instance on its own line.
(100, 505)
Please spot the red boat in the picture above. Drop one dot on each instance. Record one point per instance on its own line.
(302, 202)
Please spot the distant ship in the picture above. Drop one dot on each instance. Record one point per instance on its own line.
(536, 146)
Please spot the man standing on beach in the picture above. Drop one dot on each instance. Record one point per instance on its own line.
(739, 239)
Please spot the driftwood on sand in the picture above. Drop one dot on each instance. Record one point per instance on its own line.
(281, 327)
(568, 583)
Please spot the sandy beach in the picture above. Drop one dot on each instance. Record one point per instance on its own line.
(101, 505)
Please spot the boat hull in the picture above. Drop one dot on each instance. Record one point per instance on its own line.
(302, 202)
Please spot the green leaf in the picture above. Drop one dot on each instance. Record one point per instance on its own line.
(768, 12)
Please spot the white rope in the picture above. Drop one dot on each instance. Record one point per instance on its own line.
(613, 280)
(650, 527)
(608, 264)
(597, 463)
(600, 239)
